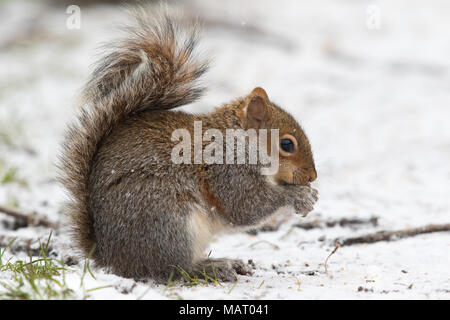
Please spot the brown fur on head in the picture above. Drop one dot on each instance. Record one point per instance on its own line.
(296, 159)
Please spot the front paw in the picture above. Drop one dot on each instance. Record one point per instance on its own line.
(304, 202)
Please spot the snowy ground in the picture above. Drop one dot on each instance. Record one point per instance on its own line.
(372, 95)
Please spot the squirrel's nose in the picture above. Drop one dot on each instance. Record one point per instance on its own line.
(312, 175)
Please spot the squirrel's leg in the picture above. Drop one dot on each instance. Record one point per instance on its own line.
(201, 227)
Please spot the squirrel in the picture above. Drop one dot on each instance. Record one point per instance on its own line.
(131, 209)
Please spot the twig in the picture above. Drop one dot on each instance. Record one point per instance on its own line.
(28, 219)
(345, 222)
(394, 235)
(337, 245)
(265, 241)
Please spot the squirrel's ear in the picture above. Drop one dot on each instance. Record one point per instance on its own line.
(260, 92)
(256, 113)
(256, 108)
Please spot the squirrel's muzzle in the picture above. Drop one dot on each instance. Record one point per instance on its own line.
(304, 176)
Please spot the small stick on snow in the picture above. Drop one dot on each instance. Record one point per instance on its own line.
(265, 241)
(337, 245)
(394, 235)
(345, 222)
(29, 219)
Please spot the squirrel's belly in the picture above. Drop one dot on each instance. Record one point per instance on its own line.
(202, 226)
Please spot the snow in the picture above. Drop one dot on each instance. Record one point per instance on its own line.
(375, 104)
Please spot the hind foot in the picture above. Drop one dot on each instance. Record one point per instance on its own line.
(224, 270)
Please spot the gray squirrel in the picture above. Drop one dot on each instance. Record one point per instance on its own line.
(131, 209)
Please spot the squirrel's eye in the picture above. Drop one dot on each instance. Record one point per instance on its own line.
(287, 145)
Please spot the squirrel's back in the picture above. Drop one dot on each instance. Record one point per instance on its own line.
(151, 68)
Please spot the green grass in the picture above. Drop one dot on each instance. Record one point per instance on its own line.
(40, 277)
(189, 280)
(233, 286)
(10, 175)
(192, 280)
(10, 132)
(12, 202)
(8, 136)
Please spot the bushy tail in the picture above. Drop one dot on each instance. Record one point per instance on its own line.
(153, 67)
